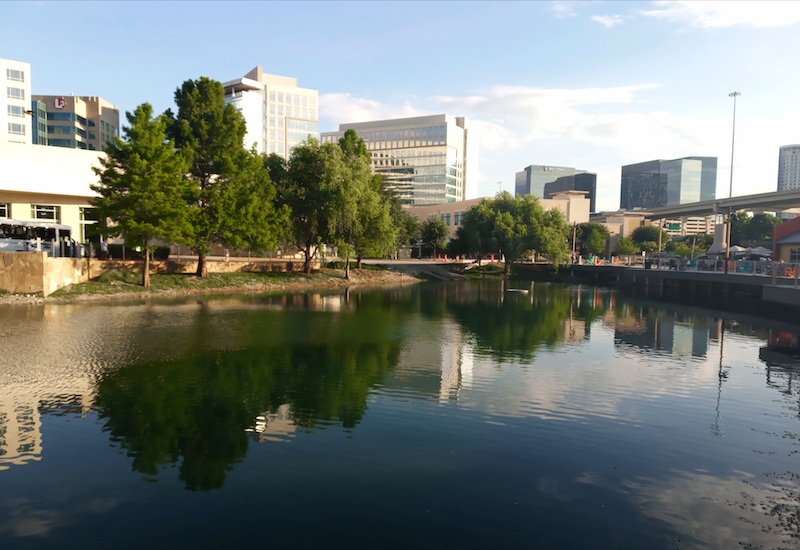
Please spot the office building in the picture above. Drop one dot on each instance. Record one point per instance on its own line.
(15, 102)
(789, 168)
(278, 113)
(424, 160)
(542, 181)
(581, 181)
(658, 183)
(78, 122)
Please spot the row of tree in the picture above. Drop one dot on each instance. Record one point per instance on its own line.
(186, 178)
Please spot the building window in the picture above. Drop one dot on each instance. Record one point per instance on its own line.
(794, 255)
(16, 110)
(5, 210)
(14, 128)
(15, 93)
(14, 74)
(46, 212)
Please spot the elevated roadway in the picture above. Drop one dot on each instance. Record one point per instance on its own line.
(776, 201)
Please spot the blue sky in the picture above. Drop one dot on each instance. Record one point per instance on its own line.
(594, 85)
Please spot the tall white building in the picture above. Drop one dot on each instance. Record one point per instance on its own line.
(424, 160)
(789, 168)
(278, 113)
(15, 100)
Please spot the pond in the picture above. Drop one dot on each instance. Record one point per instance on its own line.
(458, 415)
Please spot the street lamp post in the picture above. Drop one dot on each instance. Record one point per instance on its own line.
(734, 95)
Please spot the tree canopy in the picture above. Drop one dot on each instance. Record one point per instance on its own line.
(592, 238)
(142, 186)
(232, 204)
(515, 226)
(434, 233)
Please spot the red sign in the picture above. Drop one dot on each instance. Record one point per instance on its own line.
(59, 103)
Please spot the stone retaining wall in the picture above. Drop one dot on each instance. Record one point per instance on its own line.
(36, 273)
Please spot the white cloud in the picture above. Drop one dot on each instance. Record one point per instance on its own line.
(721, 14)
(598, 129)
(344, 108)
(563, 10)
(609, 21)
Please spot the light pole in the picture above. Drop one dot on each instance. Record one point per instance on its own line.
(734, 95)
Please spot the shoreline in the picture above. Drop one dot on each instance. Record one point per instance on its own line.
(358, 277)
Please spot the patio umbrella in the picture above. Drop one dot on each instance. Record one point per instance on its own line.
(760, 251)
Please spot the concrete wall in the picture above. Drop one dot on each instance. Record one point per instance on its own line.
(36, 273)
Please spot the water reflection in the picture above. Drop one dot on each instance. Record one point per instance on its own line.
(570, 393)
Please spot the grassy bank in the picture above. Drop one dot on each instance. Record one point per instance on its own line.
(126, 283)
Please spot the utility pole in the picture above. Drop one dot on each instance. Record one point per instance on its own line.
(734, 95)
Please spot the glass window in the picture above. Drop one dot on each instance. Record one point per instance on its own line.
(15, 93)
(794, 255)
(5, 210)
(62, 142)
(81, 119)
(14, 74)
(45, 212)
(60, 116)
(15, 128)
(16, 110)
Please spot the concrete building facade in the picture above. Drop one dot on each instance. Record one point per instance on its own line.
(425, 160)
(48, 184)
(789, 168)
(278, 113)
(78, 122)
(15, 102)
(657, 183)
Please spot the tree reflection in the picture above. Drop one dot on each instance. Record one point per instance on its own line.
(196, 410)
(518, 323)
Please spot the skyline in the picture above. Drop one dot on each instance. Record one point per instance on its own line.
(593, 85)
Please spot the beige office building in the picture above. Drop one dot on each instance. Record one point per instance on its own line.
(278, 113)
(79, 122)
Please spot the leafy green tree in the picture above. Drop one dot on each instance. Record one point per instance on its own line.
(649, 233)
(592, 238)
(232, 204)
(521, 225)
(142, 185)
(408, 228)
(475, 234)
(311, 186)
(626, 247)
(434, 233)
(363, 224)
(759, 227)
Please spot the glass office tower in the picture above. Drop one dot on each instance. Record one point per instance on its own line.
(424, 160)
(657, 183)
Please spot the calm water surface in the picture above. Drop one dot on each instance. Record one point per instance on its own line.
(432, 416)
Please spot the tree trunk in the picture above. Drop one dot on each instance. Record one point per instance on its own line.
(359, 262)
(202, 266)
(507, 268)
(146, 269)
(347, 266)
(306, 261)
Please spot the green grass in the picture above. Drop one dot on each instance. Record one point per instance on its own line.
(123, 281)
